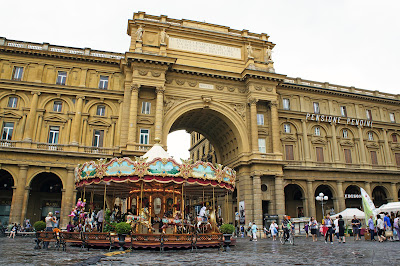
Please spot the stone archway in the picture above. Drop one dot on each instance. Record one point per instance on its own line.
(294, 201)
(353, 197)
(328, 205)
(6, 194)
(379, 196)
(44, 196)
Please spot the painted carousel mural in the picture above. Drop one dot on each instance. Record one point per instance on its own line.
(166, 200)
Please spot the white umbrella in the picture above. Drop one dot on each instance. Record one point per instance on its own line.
(348, 214)
(389, 207)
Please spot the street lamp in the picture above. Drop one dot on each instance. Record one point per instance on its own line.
(322, 199)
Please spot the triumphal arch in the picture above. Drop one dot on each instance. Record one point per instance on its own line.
(288, 139)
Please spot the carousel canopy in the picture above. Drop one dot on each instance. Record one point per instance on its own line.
(157, 171)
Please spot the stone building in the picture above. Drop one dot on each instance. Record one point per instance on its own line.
(288, 139)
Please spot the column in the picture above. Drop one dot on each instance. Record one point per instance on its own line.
(257, 202)
(279, 196)
(119, 123)
(368, 188)
(31, 119)
(76, 123)
(253, 122)
(68, 196)
(305, 141)
(39, 129)
(334, 143)
(340, 198)
(247, 187)
(275, 128)
(362, 146)
(21, 128)
(311, 201)
(388, 157)
(159, 112)
(133, 114)
(18, 195)
(112, 134)
(25, 203)
(395, 197)
(84, 134)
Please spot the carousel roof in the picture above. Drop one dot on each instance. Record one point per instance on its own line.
(155, 169)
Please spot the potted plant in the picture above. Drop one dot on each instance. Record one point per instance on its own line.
(227, 230)
(122, 230)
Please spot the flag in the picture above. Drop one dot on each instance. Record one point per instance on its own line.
(368, 205)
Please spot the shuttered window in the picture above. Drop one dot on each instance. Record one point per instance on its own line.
(347, 155)
(320, 154)
(397, 156)
(374, 158)
(289, 152)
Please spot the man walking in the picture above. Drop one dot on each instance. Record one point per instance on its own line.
(254, 231)
(355, 223)
(371, 227)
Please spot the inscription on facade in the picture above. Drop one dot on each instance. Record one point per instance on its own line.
(204, 48)
(339, 120)
(206, 86)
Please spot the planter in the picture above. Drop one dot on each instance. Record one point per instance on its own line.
(121, 241)
(227, 241)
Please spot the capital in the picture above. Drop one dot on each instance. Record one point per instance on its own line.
(160, 90)
(35, 92)
(135, 87)
(80, 97)
(252, 101)
(273, 104)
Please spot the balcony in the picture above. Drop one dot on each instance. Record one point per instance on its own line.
(7, 143)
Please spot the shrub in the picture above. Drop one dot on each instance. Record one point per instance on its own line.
(227, 229)
(39, 225)
(123, 228)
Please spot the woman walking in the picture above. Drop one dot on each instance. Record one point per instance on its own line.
(313, 225)
(273, 229)
(381, 228)
(328, 224)
(342, 238)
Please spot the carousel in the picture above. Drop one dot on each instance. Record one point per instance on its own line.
(168, 204)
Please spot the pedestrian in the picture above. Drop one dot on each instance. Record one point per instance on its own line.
(396, 226)
(254, 231)
(306, 227)
(336, 226)
(342, 238)
(242, 230)
(13, 231)
(371, 227)
(249, 231)
(381, 228)
(273, 229)
(355, 223)
(100, 220)
(328, 223)
(388, 227)
(70, 227)
(265, 232)
(50, 221)
(313, 224)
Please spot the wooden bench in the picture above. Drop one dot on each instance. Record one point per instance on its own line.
(176, 241)
(71, 237)
(47, 236)
(96, 239)
(208, 240)
(145, 240)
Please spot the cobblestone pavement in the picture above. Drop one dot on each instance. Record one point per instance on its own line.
(264, 252)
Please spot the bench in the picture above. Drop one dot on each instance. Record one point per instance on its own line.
(208, 240)
(96, 239)
(145, 240)
(176, 241)
(71, 237)
(47, 236)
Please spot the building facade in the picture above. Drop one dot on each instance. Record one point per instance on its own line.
(288, 139)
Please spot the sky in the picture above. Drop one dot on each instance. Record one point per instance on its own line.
(343, 42)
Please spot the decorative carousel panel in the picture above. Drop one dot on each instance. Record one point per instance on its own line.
(203, 170)
(163, 167)
(230, 175)
(118, 167)
(89, 170)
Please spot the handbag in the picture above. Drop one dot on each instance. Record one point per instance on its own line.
(389, 233)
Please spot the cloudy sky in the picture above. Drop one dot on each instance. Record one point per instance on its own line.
(344, 42)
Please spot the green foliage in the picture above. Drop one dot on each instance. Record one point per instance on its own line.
(39, 225)
(109, 227)
(123, 228)
(227, 229)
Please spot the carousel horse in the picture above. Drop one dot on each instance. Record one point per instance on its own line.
(145, 218)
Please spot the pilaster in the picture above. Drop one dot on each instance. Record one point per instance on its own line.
(133, 116)
(276, 142)
(257, 203)
(31, 118)
(159, 112)
(18, 196)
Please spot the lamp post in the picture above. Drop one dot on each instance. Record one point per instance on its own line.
(322, 199)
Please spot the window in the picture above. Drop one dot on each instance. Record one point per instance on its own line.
(374, 158)
(103, 83)
(320, 154)
(286, 104)
(98, 137)
(146, 108)
(261, 145)
(198, 155)
(260, 119)
(397, 156)
(345, 133)
(316, 108)
(57, 107)
(144, 136)
(347, 155)
(394, 137)
(317, 131)
(12, 102)
(204, 150)
(61, 78)
(18, 71)
(53, 134)
(369, 114)
(286, 128)
(392, 118)
(8, 128)
(101, 110)
(343, 111)
(370, 136)
(289, 152)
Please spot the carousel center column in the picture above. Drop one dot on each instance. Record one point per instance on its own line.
(16, 205)
(257, 203)
(133, 115)
(159, 112)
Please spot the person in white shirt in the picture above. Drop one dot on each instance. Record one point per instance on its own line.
(336, 224)
(100, 220)
(273, 229)
(381, 228)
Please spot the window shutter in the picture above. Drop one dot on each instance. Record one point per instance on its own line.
(374, 158)
(289, 152)
(101, 138)
(347, 155)
(320, 154)
(397, 155)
